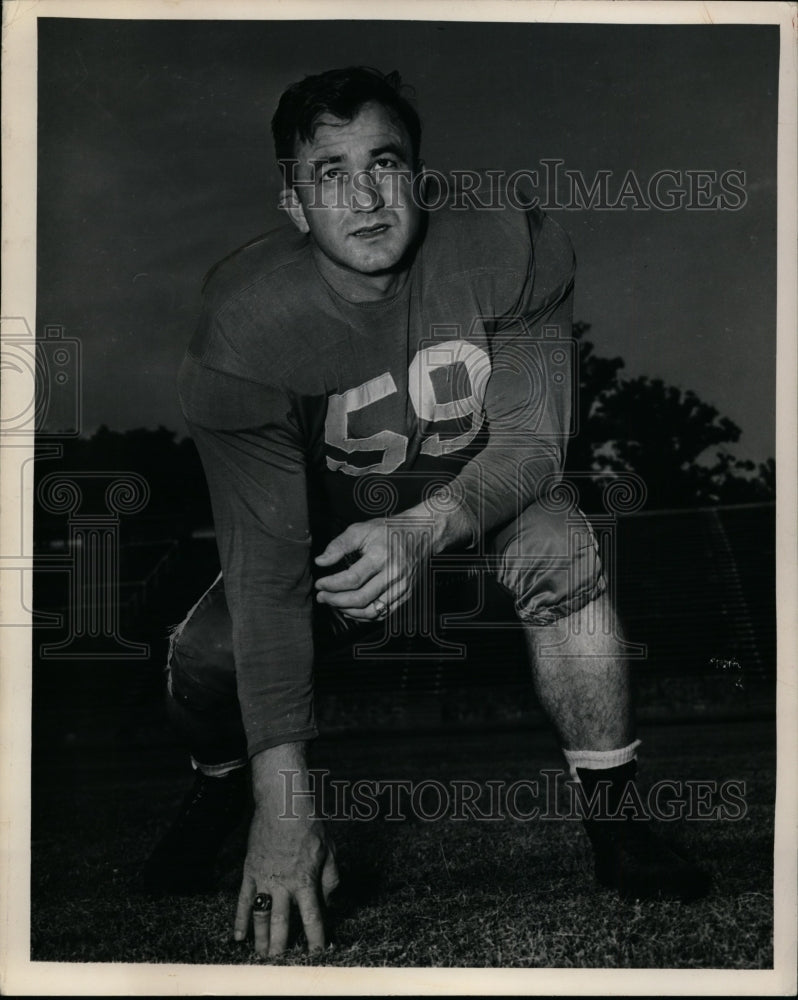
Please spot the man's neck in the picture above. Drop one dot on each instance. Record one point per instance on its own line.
(357, 287)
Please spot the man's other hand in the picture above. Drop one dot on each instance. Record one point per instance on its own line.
(290, 856)
(391, 555)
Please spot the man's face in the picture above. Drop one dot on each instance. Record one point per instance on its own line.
(355, 192)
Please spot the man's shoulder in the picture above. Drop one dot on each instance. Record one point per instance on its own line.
(496, 231)
(255, 308)
(262, 265)
(489, 220)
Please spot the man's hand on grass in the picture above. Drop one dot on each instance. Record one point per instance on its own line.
(289, 856)
(392, 554)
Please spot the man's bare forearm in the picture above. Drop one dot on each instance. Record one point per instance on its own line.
(452, 526)
(290, 857)
(268, 784)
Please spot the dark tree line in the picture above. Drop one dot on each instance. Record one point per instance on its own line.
(672, 439)
(676, 442)
(178, 495)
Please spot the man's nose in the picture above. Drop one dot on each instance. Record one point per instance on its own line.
(365, 195)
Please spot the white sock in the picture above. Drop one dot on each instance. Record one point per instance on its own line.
(598, 760)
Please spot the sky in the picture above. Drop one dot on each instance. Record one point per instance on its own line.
(155, 160)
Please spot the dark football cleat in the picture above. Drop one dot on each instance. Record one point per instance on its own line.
(183, 861)
(633, 860)
(629, 856)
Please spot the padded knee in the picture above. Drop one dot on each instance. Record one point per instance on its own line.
(201, 663)
(203, 701)
(549, 561)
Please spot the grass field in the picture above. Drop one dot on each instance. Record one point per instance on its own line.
(444, 893)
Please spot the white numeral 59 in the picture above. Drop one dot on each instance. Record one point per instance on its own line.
(422, 395)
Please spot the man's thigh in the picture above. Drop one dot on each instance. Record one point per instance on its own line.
(201, 660)
(538, 569)
(541, 567)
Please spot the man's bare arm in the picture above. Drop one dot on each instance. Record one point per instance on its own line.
(289, 856)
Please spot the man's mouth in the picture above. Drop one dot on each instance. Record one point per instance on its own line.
(370, 231)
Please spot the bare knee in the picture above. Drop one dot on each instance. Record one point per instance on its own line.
(592, 630)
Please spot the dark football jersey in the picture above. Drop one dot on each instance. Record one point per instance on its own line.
(311, 412)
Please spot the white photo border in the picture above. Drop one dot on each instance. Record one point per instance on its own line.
(19, 976)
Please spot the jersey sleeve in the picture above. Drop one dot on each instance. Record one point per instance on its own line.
(254, 463)
(527, 401)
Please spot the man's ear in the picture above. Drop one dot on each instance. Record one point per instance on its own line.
(291, 204)
(422, 178)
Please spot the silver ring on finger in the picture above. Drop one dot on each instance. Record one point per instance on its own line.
(380, 608)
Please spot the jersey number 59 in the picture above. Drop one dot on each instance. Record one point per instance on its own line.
(421, 390)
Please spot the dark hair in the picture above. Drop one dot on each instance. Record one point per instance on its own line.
(340, 92)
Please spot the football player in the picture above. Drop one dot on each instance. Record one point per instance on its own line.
(390, 333)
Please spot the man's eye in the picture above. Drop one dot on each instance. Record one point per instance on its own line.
(386, 163)
(332, 175)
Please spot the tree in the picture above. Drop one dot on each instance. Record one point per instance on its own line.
(640, 425)
(178, 495)
(597, 381)
(663, 434)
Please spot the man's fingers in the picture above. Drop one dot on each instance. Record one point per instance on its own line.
(355, 576)
(261, 920)
(347, 579)
(373, 612)
(380, 607)
(244, 908)
(356, 598)
(330, 556)
(281, 921)
(396, 595)
(312, 920)
(329, 877)
(348, 541)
